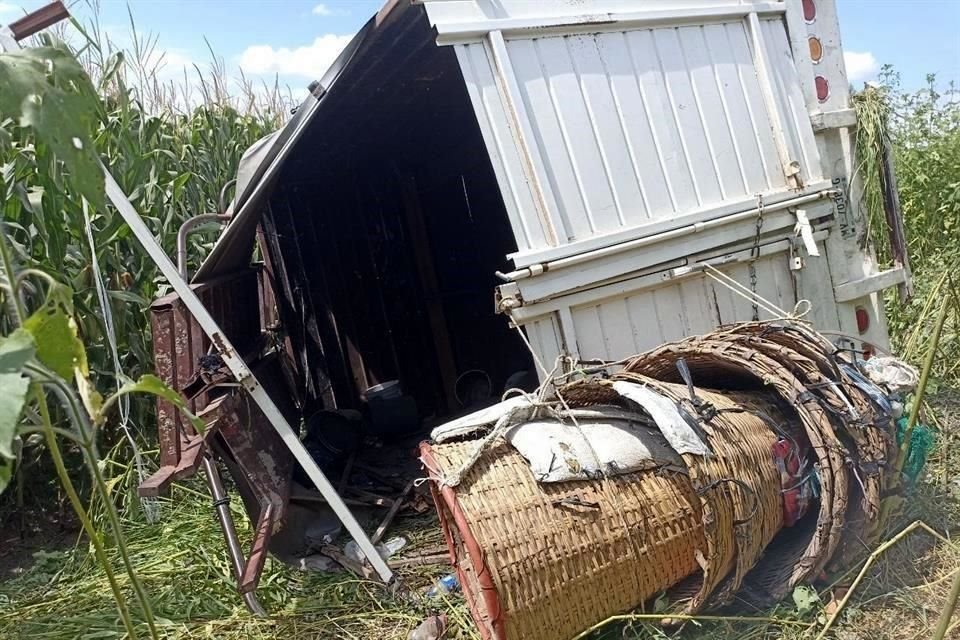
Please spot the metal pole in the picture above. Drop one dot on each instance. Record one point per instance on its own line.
(221, 499)
(189, 225)
(232, 359)
(221, 502)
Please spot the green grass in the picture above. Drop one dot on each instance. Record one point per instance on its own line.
(184, 567)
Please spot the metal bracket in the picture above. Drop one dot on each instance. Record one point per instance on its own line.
(837, 119)
(234, 362)
(865, 286)
(804, 230)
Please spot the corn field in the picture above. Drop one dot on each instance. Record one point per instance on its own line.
(173, 147)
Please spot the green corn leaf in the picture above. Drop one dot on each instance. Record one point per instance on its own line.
(48, 91)
(55, 334)
(15, 350)
(154, 386)
(806, 599)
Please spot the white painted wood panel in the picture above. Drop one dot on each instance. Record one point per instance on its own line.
(636, 129)
(618, 327)
(498, 138)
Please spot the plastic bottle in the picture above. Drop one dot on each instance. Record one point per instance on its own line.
(446, 584)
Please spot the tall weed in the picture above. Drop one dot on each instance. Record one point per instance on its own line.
(924, 127)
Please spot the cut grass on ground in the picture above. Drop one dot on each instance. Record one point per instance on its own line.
(183, 565)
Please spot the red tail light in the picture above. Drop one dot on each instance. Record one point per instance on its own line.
(863, 320)
(823, 88)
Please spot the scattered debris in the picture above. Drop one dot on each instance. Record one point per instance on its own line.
(443, 586)
(433, 628)
(391, 514)
(386, 550)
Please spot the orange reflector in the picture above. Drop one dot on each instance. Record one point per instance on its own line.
(816, 49)
(863, 320)
(823, 88)
(809, 10)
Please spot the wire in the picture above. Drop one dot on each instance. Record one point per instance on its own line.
(151, 507)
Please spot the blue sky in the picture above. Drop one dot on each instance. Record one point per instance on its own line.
(296, 39)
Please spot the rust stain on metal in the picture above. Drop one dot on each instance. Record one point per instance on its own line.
(179, 343)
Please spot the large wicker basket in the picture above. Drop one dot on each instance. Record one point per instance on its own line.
(548, 560)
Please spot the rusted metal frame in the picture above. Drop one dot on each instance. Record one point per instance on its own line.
(167, 415)
(183, 341)
(426, 271)
(258, 552)
(181, 337)
(269, 320)
(243, 374)
(194, 449)
(221, 498)
(286, 301)
(270, 315)
(37, 21)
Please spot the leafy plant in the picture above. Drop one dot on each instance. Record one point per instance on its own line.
(43, 356)
(171, 148)
(924, 128)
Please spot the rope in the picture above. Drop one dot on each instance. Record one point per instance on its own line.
(800, 309)
(151, 506)
(740, 290)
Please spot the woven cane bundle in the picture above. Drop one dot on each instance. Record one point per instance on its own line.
(544, 560)
(548, 560)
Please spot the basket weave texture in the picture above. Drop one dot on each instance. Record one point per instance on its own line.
(544, 561)
(559, 568)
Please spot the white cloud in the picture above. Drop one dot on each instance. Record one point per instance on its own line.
(323, 10)
(861, 65)
(309, 61)
(7, 7)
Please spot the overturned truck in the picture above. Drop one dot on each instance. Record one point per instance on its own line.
(481, 196)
